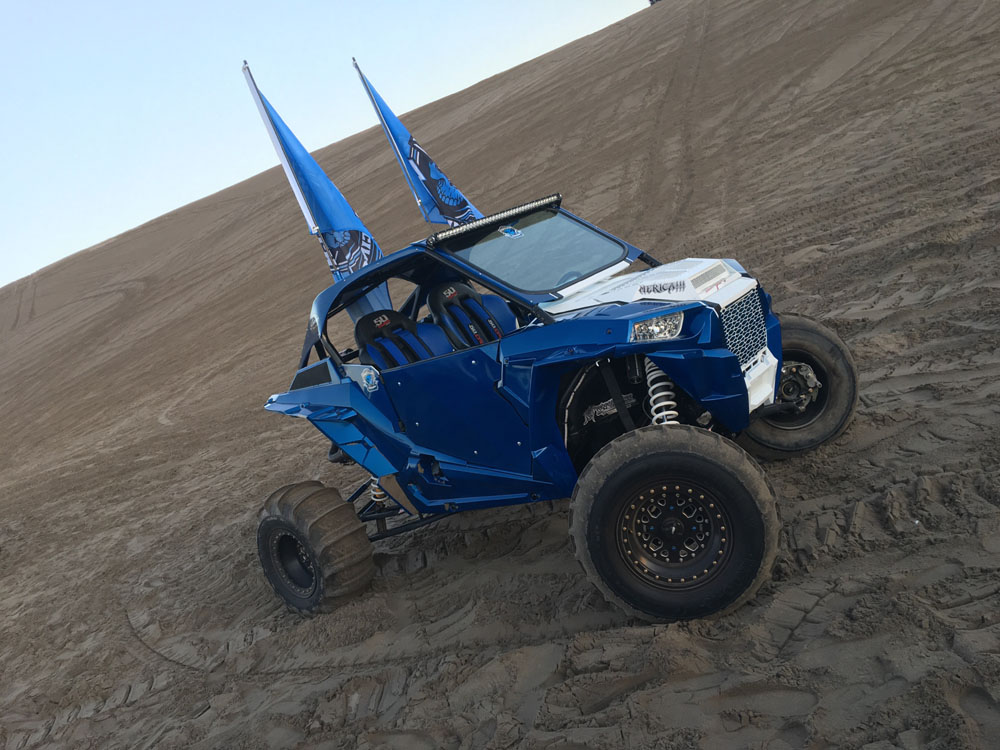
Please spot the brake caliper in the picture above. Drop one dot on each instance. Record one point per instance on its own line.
(798, 385)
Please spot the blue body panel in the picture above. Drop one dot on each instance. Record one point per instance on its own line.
(454, 407)
(478, 427)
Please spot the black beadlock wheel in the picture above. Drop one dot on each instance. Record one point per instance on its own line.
(806, 342)
(674, 533)
(313, 548)
(674, 523)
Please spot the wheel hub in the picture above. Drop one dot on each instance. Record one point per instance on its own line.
(293, 562)
(801, 392)
(798, 384)
(673, 534)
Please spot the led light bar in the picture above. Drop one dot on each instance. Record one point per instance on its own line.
(525, 208)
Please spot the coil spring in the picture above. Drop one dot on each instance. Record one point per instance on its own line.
(662, 406)
(376, 493)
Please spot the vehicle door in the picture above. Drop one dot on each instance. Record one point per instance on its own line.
(449, 406)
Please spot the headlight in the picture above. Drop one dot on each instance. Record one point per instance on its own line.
(658, 328)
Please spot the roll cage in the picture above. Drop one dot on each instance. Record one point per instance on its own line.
(428, 263)
(416, 264)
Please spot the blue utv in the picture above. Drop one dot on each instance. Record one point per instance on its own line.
(532, 361)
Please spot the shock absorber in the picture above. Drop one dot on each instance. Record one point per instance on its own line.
(376, 494)
(662, 403)
(378, 497)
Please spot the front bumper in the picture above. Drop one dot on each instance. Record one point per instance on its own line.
(760, 378)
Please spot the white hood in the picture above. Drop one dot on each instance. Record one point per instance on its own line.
(688, 280)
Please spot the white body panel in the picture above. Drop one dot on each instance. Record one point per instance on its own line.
(688, 280)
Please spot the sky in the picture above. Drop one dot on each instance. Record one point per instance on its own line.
(117, 112)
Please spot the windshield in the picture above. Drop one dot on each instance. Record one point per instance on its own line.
(540, 252)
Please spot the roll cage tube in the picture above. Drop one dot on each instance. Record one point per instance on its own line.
(311, 343)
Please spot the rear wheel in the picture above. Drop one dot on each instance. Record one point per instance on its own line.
(813, 357)
(313, 548)
(674, 523)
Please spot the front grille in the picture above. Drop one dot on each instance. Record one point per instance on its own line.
(743, 325)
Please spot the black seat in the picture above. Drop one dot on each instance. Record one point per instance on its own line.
(387, 339)
(470, 318)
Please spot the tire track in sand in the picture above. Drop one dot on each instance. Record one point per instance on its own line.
(684, 76)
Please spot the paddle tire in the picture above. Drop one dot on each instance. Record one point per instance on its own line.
(674, 523)
(313, 548)
(778, 436)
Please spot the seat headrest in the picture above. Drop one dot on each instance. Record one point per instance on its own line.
(379, 324)
(459, 309)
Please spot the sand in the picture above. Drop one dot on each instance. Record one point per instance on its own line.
(847, 152)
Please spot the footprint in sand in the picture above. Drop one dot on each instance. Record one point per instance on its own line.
(776, 701)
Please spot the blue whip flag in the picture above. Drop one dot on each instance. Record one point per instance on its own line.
(439, 200)
(346, 241)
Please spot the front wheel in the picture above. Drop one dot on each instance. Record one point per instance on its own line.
(674, 523)
(813, 357)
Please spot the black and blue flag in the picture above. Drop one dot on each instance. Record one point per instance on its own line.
(439, 200)
(346, 241)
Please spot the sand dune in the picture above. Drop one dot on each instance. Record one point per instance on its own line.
(847, 152)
